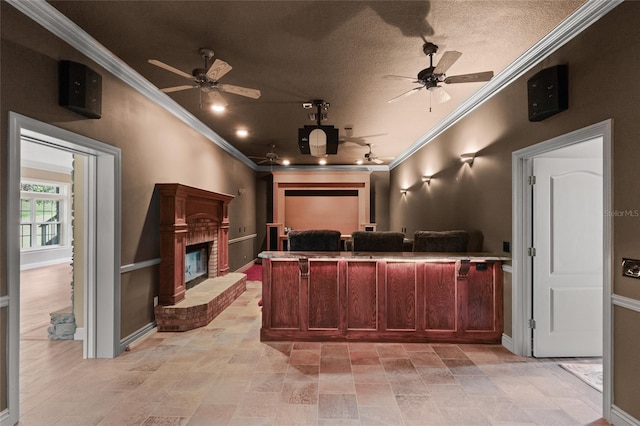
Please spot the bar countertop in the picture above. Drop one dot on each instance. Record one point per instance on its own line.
(407, 255)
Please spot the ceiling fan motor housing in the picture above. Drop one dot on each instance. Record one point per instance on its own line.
(428, 77)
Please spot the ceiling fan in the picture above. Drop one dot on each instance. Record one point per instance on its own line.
(429, 78)
(270, 157)
(373, 158)
(207, 79)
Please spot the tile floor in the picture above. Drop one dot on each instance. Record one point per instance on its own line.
(223, 375)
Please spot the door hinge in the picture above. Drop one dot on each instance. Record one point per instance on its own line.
(532, 251)
(532, 180)
(532, 323)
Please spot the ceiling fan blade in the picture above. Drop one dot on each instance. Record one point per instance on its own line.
(170, 68)
(216, 98)
(178, 88)
(399, 77)
(448, 58)
(377, 160)
(470, 78)
(405, 94)
(242, 91)
(218, 69)
(440, 94)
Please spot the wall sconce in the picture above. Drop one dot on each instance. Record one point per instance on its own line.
(404, 191)
(468, 157)
(426, 178)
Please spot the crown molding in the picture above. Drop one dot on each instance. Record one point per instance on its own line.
(58, 24)
(61, 26)
(582, 18)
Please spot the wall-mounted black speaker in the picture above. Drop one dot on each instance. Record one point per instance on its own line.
(80, 89)
(548, 92)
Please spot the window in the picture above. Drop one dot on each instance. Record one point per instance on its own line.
(43, 208)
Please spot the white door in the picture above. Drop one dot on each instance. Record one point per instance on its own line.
(567, 265)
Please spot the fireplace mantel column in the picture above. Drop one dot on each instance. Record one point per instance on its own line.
(173, 242)
(223, 241)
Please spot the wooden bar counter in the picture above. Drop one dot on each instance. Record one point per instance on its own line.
(382, 297)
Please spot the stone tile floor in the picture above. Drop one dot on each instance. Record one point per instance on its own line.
(223, 375)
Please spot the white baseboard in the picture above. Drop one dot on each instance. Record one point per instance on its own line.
(507, 342)
(80, 334)
(5, 418)
(27, 266)
(620, 418)
(133, 339)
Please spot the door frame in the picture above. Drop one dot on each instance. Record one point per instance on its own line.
(522, 239)
(102, 319)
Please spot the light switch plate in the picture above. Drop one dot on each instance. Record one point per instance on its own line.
(631, 268)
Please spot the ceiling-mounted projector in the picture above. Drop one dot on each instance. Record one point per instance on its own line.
(318, 141)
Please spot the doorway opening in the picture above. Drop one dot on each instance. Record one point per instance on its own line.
(99, 237)
(523, 243)
(51, 204)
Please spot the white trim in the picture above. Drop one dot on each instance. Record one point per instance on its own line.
(142, 336)
(583, 17)
(507, 268)
(27, 266)
(521, 238)
(80, 334)
(5, 418)
(625, 302)
(4, 301)
(33, 164)
(132, 338)
(106, 160)
(314, 168)
(619, 417)
(244, 238)
(139, 265)
(507, 342)
(61, 26)
(57, 23)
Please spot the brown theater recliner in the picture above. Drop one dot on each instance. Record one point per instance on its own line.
(380, 241)
(441, 241)
(314, 240)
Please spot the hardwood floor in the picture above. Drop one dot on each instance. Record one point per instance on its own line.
(222, 374)
(42, 291)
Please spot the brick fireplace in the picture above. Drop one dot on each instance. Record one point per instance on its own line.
(190, 216)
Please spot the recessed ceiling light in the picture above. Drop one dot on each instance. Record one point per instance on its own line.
(218, 108)
(359, 162)
(286, 162)
(242, 133)
(322, 162)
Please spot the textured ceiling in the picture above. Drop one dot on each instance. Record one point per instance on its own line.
(337, 51)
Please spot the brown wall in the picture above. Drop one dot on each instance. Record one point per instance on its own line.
(603, 83)
(156, 147)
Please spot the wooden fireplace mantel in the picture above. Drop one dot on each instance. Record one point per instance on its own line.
(180, 206)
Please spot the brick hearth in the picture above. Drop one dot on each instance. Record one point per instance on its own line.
(202, 303)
